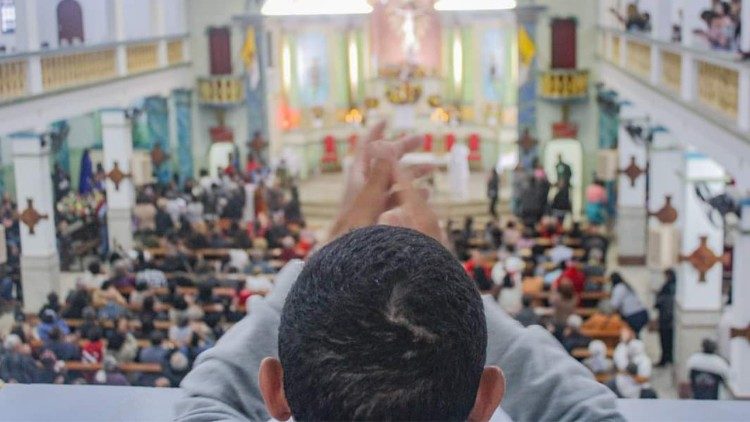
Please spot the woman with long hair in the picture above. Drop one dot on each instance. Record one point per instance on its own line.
(626, 301)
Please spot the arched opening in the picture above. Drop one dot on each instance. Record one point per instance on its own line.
(70, 22)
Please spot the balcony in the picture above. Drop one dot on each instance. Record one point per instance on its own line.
(221, 91)
(564, 84)
(715, 85)
(34, 74)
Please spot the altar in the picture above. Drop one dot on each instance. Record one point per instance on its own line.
(430, 69)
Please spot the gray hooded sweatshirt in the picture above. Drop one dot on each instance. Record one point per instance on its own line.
(543, 382)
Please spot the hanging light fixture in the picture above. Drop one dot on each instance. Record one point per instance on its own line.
(315, 7)
(469, 5)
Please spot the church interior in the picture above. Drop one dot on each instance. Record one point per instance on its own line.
(162, 160)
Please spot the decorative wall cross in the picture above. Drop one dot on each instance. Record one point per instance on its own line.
(740, 332)
(31, 217)
(158, 156)
(702, 259)
(667, 214)
(632, 171)
(116, 175)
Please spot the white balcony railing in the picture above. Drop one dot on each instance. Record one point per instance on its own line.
(28, 75)
(717, 84)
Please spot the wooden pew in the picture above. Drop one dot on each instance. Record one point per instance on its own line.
(610, 338)
(583, 352)
(548, 311)
(152, 368)
(584, 295)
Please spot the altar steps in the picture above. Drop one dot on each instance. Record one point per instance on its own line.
(321, 213)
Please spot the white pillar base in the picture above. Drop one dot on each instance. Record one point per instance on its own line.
(120, 228)
(40, 276)
(691, 327)
(631, 235)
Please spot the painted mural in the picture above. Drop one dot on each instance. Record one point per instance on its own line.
(313, 66)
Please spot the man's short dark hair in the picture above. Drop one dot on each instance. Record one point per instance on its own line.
(709, 346)
(383, 323)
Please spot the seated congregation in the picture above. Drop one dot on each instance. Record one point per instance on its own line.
(141, 317)
(209, 253)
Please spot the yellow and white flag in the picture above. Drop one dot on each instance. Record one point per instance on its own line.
(250, 57)
(526, 46)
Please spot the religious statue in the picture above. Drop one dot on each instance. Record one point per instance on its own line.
(409, 14)
(564, 172)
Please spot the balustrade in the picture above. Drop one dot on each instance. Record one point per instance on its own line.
(718, 87)
(65, 70)
(564, 84)
(221, 90)
(13, 79)
(615, 49)
(35, 73)
(716, 81)
(142, 57)
(639, 58)
(671, 70)
(175, 52)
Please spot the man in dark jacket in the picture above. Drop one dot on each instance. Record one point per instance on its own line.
(16, 364)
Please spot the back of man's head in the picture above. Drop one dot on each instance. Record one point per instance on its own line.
(383, 323)
(709, 346)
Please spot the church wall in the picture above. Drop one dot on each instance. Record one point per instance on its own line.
(138, 19)
(47, 22)
(176, 22)
(96, 20)
(200, 15)
(585, 114)
(9, 41)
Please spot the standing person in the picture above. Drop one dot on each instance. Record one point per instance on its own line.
(493, 191)
(665, 304)
(521, 180)
(561, 205)
(626, 301)
(596, 203)
(535, 200)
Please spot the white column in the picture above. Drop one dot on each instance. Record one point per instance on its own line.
(689, 77)
(118, 149)
(743, 106)
(661, 17)
(27, 19)
(655, 76)
(159, 17)
(739, 346)
(118, 25)
(667, 166)
(631, 205)
(27, 39)
(40, 265)
(691, 20)
(745, 17)
(698, 301)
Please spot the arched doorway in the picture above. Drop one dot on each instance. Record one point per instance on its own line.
(69, 22)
